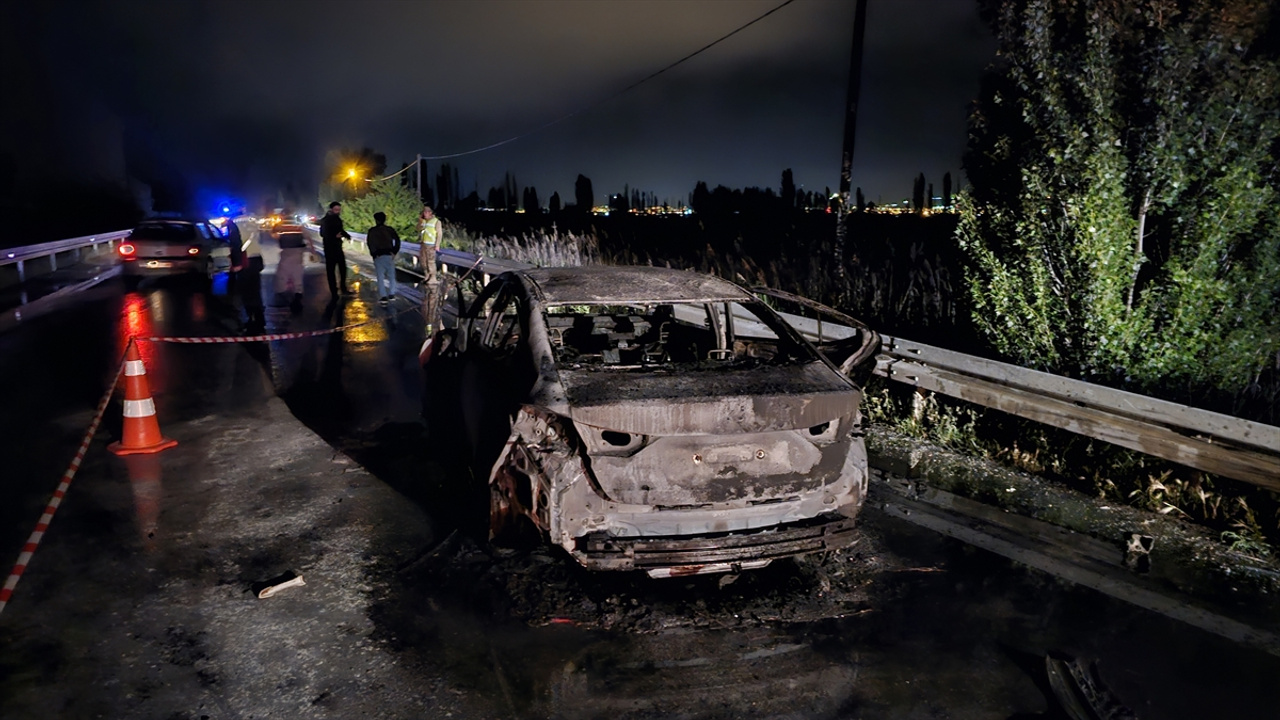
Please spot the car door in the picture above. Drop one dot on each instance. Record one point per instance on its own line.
(846, 341)
(499, 369)
(447, 379)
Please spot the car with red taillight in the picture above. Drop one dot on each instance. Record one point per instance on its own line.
(163, 247)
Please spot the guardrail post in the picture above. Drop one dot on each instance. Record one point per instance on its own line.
(22, 271)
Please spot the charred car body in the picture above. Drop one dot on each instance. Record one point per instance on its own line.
(653, 419)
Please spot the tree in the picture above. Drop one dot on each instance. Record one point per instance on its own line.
(553, 205)
(583, 195)
(1120, 218)
(700, 200)
(788, 194)
(917, 193)
(861, 200)
(447, 185)
(510, 196)
(399, 201)
(529, 200)
(425, 192)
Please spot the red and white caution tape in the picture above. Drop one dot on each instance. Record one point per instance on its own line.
(24, 557)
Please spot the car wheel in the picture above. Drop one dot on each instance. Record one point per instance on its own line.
(510, 496)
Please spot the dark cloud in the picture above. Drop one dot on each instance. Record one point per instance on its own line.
(256, 93)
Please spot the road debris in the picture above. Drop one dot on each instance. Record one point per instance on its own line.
(287, 580)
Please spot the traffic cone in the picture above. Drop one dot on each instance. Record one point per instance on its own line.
(141, 431)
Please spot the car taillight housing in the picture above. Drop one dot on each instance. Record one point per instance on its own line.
(193, 250)
(127, 250)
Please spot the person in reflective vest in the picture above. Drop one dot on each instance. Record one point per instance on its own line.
(430, 234)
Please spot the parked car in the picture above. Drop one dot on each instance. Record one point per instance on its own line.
(160, 247)
(652, 419)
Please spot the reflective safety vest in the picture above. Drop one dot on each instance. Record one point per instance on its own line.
(430, 231)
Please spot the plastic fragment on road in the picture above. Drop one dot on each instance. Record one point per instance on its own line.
(270, 590)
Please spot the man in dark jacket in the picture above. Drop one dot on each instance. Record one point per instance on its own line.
(332, 233)
(384, 243)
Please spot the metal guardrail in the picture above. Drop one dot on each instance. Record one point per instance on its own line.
(1212, 442)
(28, 308)
(20, 256)
(451, 260)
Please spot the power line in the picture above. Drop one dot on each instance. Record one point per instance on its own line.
(602, 101)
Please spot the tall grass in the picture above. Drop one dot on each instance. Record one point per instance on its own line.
(541, 248)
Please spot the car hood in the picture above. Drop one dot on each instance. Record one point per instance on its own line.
(716, 401)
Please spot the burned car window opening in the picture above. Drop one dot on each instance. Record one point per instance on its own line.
(651, 336)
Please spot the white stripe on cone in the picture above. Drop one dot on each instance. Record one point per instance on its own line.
(139, 408)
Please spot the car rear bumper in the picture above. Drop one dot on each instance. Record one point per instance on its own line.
(715, 552)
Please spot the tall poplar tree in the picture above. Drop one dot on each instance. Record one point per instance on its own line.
(1121, 216)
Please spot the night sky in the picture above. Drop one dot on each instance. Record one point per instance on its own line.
(249, 96)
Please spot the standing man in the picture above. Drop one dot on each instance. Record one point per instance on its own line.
(332, 233)
(430, 233)
(384, 243)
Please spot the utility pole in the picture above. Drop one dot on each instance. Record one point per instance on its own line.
(419, 168)
(850, 135)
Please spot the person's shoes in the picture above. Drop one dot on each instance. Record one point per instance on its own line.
(348, 292)
(384, 301)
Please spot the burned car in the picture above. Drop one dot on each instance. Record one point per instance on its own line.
(652, 419)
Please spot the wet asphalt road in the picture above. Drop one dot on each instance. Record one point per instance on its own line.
(135, 605)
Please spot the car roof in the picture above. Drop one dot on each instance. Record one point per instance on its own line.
(627, 285)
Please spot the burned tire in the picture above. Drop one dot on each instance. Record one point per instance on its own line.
(510, 496)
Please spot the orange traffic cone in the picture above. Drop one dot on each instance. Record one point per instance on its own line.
(141, 431)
